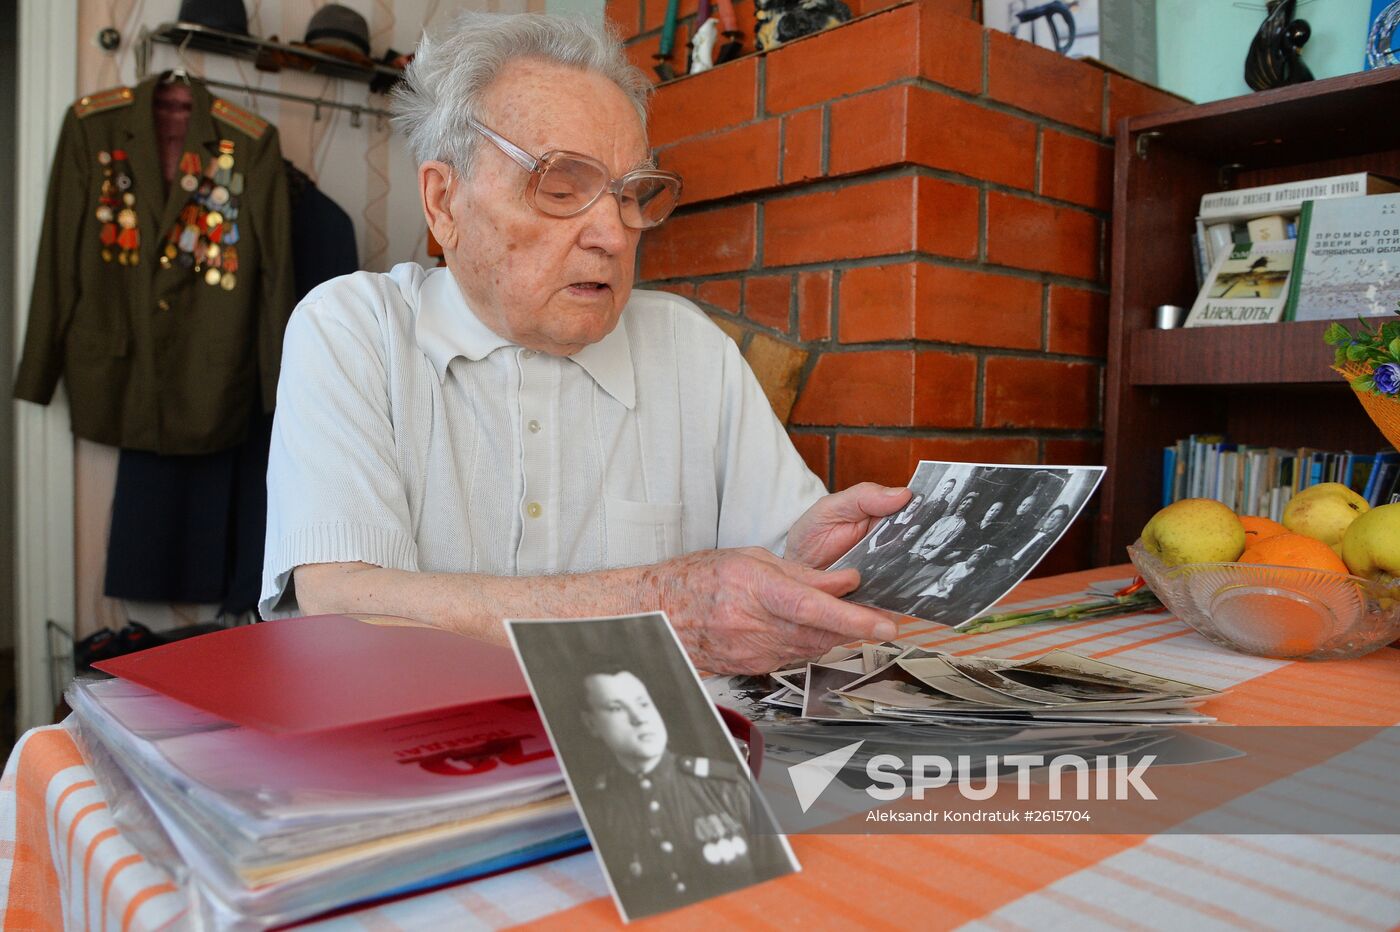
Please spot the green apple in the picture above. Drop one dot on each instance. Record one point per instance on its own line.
(1194, 530)
(1371, 544)
(1324, 512)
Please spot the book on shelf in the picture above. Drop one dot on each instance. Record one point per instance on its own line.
(1270, 211)
(1347, 263)
(1256, 480)
(1249, 285)
(1288, 197)
(1223, 236)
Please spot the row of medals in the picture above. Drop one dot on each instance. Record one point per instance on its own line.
(116, 210)
(202, 239)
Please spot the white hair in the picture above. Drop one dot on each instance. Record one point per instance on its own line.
(450, 72)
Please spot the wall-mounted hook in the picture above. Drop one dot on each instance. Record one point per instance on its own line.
(316, 111)
(355, 114)
(1143, 139)
(1225, 176)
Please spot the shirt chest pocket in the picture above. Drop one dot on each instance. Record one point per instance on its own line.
(642, 532)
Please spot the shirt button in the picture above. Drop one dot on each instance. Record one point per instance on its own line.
(162, 305)
(528, 354)
(534, 427)
(667, 847)
(654, 806)
(680, 888)
(646, 784)
(165, 262)
(534, 509)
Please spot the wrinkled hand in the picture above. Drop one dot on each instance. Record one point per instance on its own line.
(835, 523)
(748, 611)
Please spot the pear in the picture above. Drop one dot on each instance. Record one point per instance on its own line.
(1371, 544)
(1194, 530)
(1324, 512)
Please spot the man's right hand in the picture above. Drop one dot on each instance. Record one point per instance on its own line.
(748, 611)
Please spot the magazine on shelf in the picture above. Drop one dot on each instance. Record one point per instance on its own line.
(1288, 197)
(1348, 259)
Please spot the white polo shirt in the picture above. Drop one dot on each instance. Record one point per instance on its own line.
(409, 436)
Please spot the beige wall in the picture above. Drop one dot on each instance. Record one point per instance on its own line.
(365, 169)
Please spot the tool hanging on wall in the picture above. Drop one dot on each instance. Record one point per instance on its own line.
(702, 52)
(663, 68)
(703, 33)
(733, 46)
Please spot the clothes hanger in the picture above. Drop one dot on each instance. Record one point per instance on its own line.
(181, 71)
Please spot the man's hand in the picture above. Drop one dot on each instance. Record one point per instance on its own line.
(747, 611)
(835, 523)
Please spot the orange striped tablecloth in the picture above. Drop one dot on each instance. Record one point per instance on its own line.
(62, 858)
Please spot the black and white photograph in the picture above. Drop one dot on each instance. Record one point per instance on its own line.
(664, 793)
(970, 532)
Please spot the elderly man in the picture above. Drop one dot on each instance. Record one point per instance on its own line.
(521, 434)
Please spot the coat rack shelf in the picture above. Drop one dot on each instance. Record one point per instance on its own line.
(271, 56)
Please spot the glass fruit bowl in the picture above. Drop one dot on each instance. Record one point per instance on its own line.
(1276, 611)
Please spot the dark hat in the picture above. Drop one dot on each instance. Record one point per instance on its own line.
(335, 28)
(227, 15)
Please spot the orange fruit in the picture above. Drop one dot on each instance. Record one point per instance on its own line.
(1257, 528)
(1289, 549)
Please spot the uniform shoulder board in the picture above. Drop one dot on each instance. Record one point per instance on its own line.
(109, 99)
(709, 768)
(244, 121)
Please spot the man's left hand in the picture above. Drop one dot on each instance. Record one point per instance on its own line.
(835, 523)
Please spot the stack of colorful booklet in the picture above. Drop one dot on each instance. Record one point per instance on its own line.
(265, 827)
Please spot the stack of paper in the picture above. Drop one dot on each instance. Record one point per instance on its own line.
(897, 683)
(266, 827)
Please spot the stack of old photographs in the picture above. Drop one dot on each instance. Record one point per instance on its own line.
(893, 682)
(266, 829)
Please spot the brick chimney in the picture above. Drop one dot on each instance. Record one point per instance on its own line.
(903, 221)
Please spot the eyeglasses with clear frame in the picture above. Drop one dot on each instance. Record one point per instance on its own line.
(565, 184)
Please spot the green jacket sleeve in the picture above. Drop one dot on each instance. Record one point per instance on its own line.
(56, 286)
(273, 215)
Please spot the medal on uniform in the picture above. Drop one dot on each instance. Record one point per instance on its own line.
(202, 237)
(190, 168)
(119, 234)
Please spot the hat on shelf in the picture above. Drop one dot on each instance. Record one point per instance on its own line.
(225, 15)
(340, 31)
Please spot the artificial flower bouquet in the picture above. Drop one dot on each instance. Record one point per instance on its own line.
(1370, 361)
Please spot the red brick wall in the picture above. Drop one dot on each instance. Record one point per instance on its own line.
(917, 210)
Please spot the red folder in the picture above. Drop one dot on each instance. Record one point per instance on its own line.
(303, 675)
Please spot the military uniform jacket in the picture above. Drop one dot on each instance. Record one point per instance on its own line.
(680, 833)
(163, 310)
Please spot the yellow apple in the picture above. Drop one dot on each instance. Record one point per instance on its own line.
(1371, 544)
(1324, 511)
(1194, 530)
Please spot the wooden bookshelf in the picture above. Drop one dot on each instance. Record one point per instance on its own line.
(1259, 384)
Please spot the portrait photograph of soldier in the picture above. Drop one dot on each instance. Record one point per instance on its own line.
(663, 790)
(968, 535)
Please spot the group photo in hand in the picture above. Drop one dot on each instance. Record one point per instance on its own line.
(968, 534)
